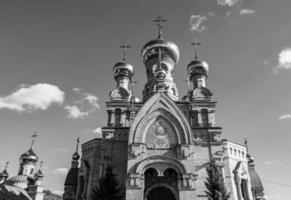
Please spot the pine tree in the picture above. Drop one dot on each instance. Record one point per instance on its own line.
(215, 186)
(108, 188)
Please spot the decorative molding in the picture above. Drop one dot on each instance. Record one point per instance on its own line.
(137, 149)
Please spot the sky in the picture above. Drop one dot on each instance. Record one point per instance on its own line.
(56, 60)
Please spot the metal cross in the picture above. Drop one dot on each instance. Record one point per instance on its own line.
(246, 143)
(124, 47)
(159, 21)
(6, 165)
(33, 136)
(195, 44)
(77, 146)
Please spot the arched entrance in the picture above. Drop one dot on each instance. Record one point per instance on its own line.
(160, 193)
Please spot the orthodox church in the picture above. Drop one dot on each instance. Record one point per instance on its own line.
(28, 181)
(160, 146)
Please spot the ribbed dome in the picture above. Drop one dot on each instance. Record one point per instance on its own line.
(39, 174)
(29, 156)
(171, 48)
(255, 180)
(72, 177)
(76, 156)
(4, 174)
(198, 67)
(122, 65)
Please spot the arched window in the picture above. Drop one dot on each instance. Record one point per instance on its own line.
(117, 117)
(204, 117)
(150, 176)
(171, 176)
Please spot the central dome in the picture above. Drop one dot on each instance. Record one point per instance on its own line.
(151, 48)
(29, 156)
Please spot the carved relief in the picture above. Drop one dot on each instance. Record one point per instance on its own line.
(188, 181)
(137, 149)
(186, 151)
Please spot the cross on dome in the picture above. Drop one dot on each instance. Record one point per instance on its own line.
(124, 47)
(33, 136)
(159, 20)
(195, 44)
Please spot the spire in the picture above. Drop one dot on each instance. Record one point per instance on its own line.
(124, 47)
(195, 44)
(159, 20)
(76, 155)
(33, 136)
(246, 144)
(4, 174)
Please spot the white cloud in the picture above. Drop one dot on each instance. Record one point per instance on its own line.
(28, 98)
(85, 105)
(247, 12)
(229, 3)
(286, 116)
(267, 162)
(284, 60)
(60, 171)
(196, 23)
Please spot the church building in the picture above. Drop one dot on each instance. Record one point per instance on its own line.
(159, 146)
(29, 180)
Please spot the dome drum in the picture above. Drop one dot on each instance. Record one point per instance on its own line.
(152, 48)
(198, 67)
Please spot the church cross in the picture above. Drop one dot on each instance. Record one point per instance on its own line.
(195, 44)
(6, 165)
(33, 136)
(124, 47)
(77, 146)
(246, 143)
(159, 20)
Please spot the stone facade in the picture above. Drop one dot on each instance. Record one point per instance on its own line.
(160, 147)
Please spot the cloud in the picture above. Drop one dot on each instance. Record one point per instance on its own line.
(97, 130)
(286, 116)
(28, 98)
(196, 23)
(85, 105)
(284, 60)
(60, 171)
(229, 3)
(247, 12)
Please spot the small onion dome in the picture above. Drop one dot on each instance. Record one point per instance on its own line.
(198, 67)
(72, 177)
(169, 47)
(39, 174)
(4, 174)
(76, 156)
(29, 156)
(123, 68)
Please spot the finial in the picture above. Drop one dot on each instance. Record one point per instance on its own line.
(159, 21)
(246, 143)
(77, 145)
(124, 47)
(6, 165)
(195, 44)
(40, 164)
(33, 136)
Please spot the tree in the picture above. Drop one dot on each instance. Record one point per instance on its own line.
(214, 183)
(108, 188)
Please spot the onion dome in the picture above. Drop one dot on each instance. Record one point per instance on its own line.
(76, 156)
(39, 174)
(198, 67)
(29, 156)
(4, 174)
(123, 69)
(151, 49)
